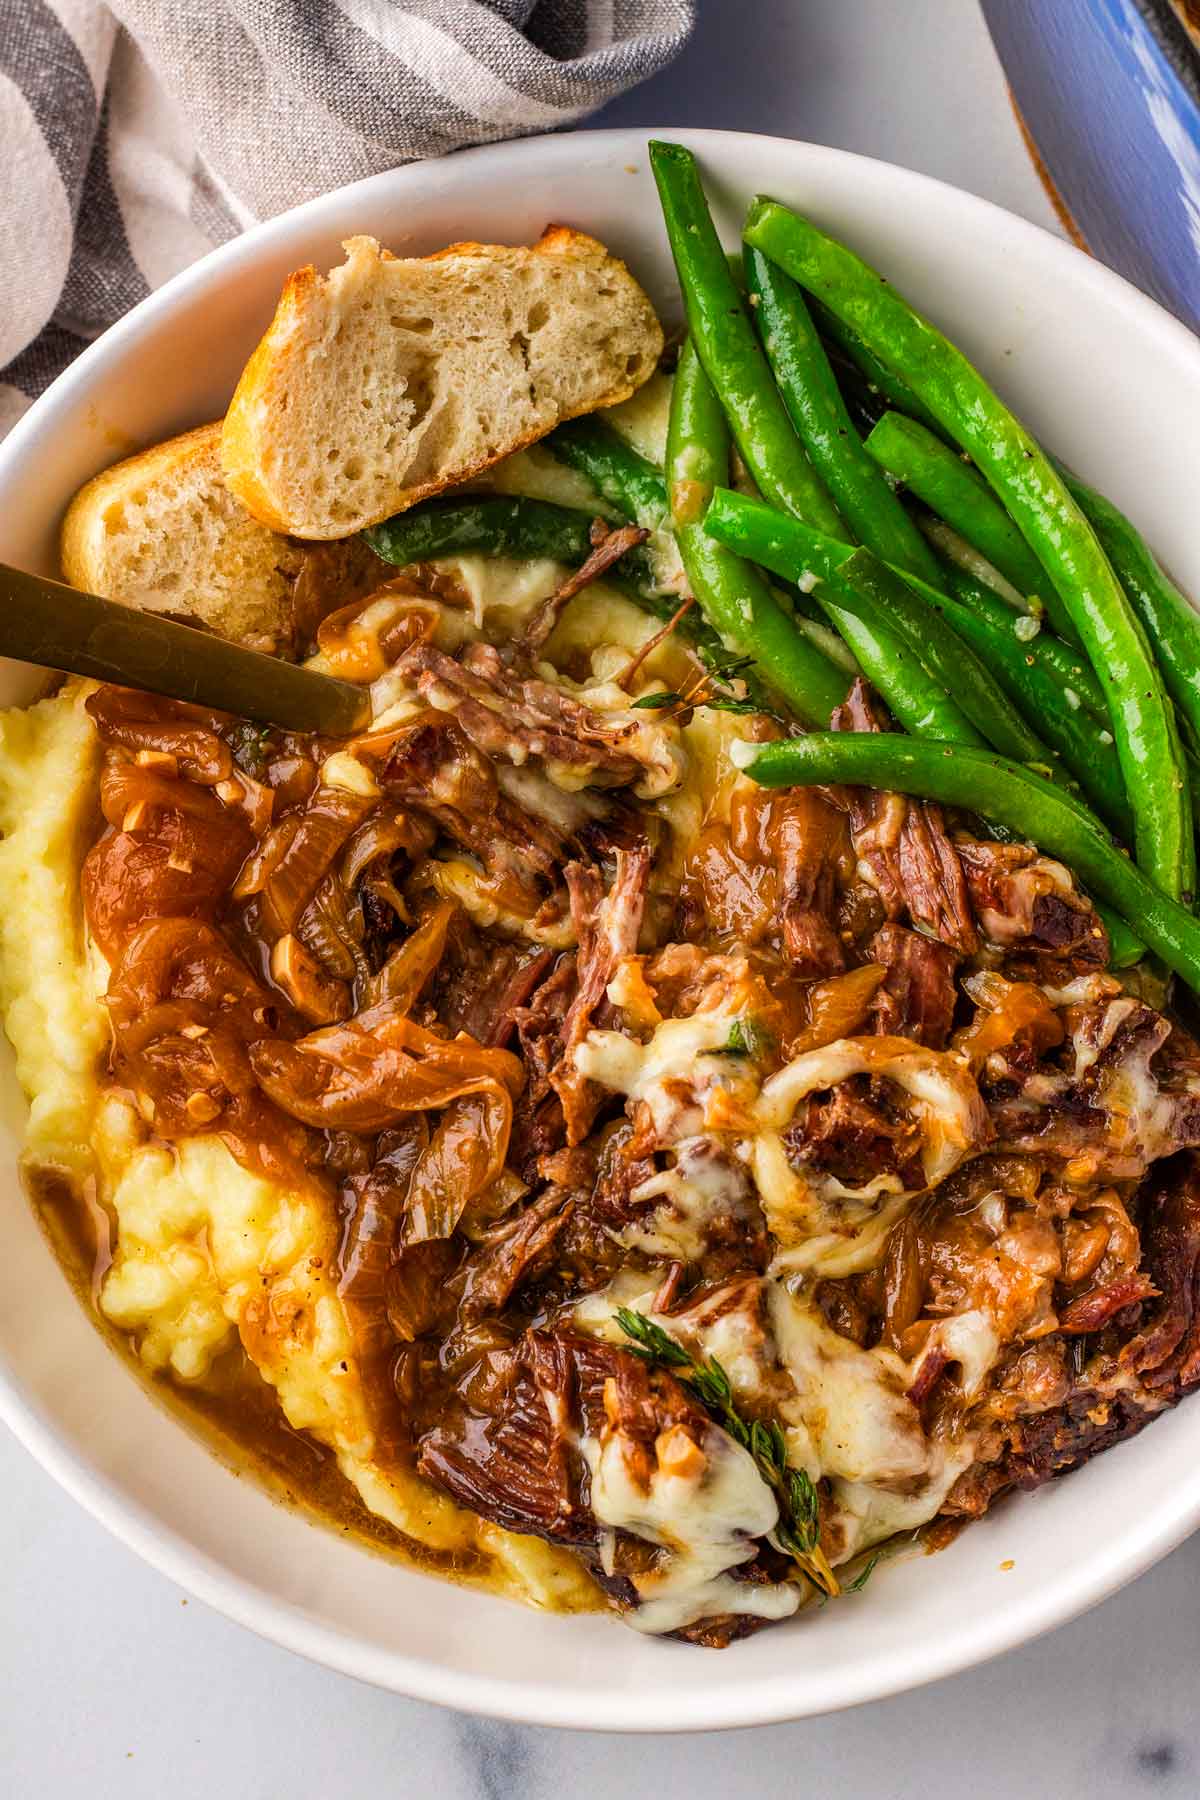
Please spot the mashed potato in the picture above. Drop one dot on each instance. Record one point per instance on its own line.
(206, 1253)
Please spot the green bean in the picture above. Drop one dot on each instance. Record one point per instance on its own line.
(1040, 505)
(734, 597)
(1188, 878)
(1004, 794)
(1076, 682)
(972, 564)
(1124, 946)
(503, 525)
(828, 641)
(1169, 619)
(1072, 732)
(947, 657)
(813, 399)
(797, 553)
(625, 478)
(728, 348)
(496, 525)
(888, 387)
(933, 472)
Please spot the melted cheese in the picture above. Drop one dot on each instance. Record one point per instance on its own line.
(819, 1222)
(845, 1411)
(851, 1421)
(644, 418)
(703, 1187)
(850, 1416)
(705, 1521)
(675, 1073)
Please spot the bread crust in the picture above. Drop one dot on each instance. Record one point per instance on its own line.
(252, 425)
(84, 522)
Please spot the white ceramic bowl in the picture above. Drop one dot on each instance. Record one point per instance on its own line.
(1113, 384)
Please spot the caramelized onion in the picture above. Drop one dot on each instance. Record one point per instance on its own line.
(465, 1155)
(127, 786)
(357, 650)
(379, 838)
(183, 1008)
(140, 721)
(837, 1008)
(362, 1076)
(332, 928)
(1010, 1012)
(180, 868)
(407, 969)
(316, 996)
(306, 854)
(903, 1282)
(367, 1266)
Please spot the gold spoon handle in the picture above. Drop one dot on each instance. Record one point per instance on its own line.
(58, 627)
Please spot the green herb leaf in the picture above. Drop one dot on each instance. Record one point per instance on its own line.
(798, 1531)
(718, 703)
(745, 1039)
(864, 1575)
(656, 702)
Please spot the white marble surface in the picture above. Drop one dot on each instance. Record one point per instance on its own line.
(112, 1683)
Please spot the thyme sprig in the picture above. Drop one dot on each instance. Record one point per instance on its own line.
(723, 671)
(798, 1532)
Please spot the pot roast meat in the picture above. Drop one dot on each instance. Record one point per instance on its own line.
(848, 1134)
(1165, 1353)
(512, 718)
(522, 1467)
(902, 845)
(512, 1251)
(1118, 1391)
(434, 768)
(810, 849)
(539, 1127)
(609, 545)
(483, 982)
(917, 996)
(607, 927)
(1028, 907)
(1131, 1106)
(1044, 1297)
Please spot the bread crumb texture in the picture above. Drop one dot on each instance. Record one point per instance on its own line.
(390, 379)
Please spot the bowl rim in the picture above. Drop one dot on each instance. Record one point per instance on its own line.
(1078, 1585)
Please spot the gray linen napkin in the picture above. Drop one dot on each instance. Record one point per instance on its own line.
(138, 134)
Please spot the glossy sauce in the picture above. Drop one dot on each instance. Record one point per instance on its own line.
(235, 1413)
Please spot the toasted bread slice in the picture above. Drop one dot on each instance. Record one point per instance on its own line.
(162, 531)
(389, 380)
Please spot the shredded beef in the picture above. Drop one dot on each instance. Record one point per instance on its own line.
(512, 1252)
(607, 926)
(1042, 1299)
(609, 545)
(849, 1135)
(521, 1467)
(436, 770)
(917, 996)
(1103, 1408)
(809, 846)
(1026, 907)
(903, 844)
(507, 717)
(483, 982)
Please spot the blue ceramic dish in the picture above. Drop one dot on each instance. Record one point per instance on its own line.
(1109, 94)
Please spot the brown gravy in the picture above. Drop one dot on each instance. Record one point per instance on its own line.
(236, 1414)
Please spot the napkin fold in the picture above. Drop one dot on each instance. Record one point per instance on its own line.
(139, 134)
